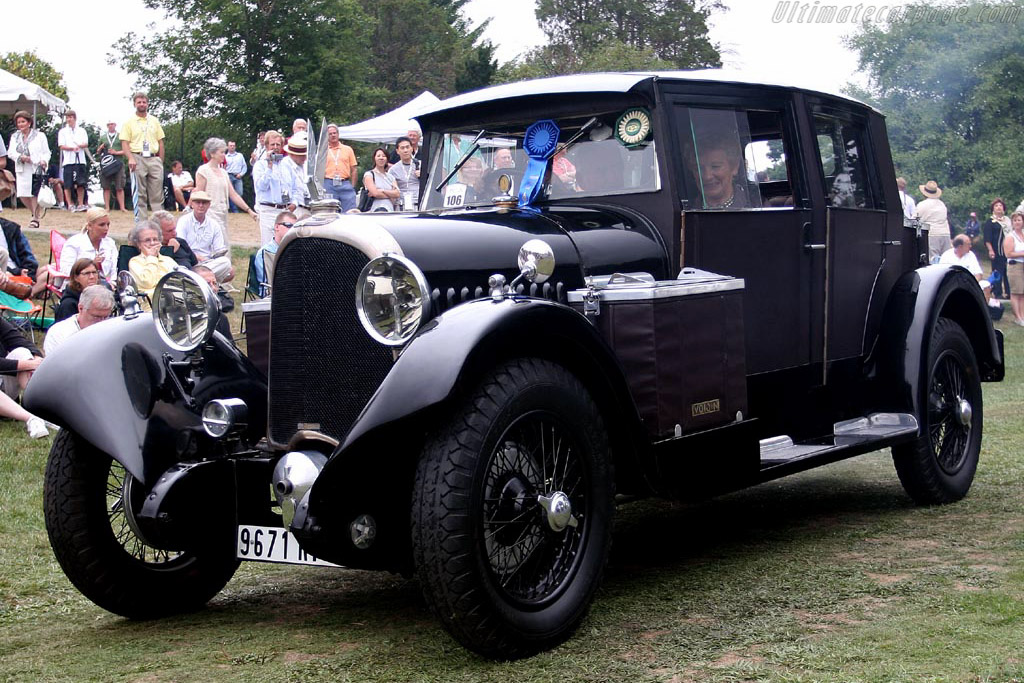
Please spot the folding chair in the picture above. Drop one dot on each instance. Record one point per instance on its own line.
(21, 312)
(57, 241)
(254, 289)
(125, 253)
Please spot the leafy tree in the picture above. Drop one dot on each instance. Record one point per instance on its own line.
(593, 35)
(953, 114)
(253, 63)
(422, 45)
(32, 68)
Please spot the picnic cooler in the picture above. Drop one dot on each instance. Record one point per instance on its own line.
(680, 343)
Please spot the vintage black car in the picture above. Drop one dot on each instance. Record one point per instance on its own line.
(615, 285)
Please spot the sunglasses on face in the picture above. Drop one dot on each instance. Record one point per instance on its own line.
(287, 225)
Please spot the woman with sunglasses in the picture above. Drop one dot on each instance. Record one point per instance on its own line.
(92, 243)
(83, 274)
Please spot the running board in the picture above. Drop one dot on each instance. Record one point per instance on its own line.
(859, 434)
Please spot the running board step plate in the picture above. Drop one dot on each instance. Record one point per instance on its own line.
(857, 432)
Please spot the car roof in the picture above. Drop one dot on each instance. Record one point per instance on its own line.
(607, 82)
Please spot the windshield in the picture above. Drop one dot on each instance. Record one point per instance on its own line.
(598, 162)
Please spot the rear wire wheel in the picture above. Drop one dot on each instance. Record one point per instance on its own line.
(512, 512)
(939, 466)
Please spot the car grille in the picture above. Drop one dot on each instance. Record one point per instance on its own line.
(323, 366)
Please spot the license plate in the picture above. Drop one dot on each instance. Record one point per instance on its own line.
(272, 544)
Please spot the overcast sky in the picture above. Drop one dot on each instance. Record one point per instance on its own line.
(760, 37)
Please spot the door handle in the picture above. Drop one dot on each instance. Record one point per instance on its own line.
(808, 245)
(892, 243)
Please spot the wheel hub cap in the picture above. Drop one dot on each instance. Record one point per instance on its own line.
(964, 411)
(559, 511)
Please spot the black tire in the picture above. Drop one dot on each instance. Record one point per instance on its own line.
(90, 530)
(939, 466)
(494, 565)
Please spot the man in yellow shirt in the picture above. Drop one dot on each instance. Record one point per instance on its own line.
(142, 140)
(340, 173)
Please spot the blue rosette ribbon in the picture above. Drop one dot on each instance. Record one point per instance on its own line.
(540, 142)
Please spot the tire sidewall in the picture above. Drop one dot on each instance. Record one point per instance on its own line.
(575, 596)
(949, 339)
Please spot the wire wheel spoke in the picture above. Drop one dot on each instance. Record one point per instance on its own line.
(950, 437)
(118, 499)
(529, 560)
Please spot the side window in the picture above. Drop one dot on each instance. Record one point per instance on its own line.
(843, 148)
(736, 159)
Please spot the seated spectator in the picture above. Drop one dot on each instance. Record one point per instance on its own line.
(150, 265)
(223, 324)
(95, 305)
(92, 242)
(18, 360)
(961, 255)
(173, 246)
(599, 167)
(19, 260)
(264, 260)
(83, 274)
(206, 237)
(181, 185)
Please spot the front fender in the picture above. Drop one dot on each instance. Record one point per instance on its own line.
(917, 300)
(109, 385)
(371, 471)
(453, 352)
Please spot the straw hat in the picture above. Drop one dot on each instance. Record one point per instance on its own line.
(930, 189)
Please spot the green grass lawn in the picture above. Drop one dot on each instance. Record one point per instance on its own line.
(831, 575)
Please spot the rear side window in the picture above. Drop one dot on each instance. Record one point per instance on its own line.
(735, 159)
(843, 148)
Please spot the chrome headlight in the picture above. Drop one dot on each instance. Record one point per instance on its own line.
(392, 299)
(185, 309)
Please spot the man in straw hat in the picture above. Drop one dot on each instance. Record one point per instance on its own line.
(933, 216)
(295, 167)
(206, 237)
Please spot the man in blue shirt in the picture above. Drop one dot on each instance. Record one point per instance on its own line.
(263, 263)
(274, 185)
(236, 168)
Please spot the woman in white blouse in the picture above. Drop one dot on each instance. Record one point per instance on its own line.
(31, 154)
(92, 243)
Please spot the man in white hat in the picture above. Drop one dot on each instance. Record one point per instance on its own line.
(295, 167)
(932, 214)
(206, 237)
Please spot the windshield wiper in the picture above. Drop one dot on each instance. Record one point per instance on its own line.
(475, 145)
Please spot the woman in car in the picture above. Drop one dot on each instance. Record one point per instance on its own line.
(83, 273)
(719, 166)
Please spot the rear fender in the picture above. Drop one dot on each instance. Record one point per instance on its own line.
(916, 302)
(109, 385)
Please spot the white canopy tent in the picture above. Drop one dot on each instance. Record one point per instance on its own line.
(16, 94)
(390, 126)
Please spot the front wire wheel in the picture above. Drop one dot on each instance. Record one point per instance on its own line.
(939, 466)
(89, 502)
(512, 512)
